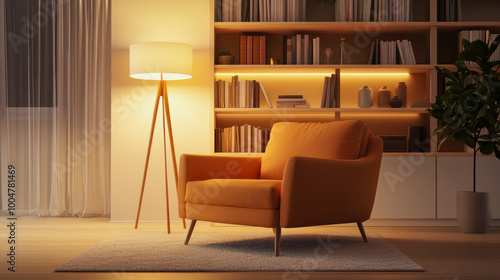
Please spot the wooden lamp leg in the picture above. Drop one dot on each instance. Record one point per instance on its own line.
(155, 113)
(171, 138)
(164, 90)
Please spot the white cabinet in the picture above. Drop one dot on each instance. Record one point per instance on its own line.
(455, 174)
(406, 188)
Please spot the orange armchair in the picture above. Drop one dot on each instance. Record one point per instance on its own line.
(311, 174)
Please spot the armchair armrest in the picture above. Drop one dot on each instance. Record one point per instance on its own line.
(327, 191)
(203, 167)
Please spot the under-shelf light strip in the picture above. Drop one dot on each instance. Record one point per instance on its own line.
(314, 74)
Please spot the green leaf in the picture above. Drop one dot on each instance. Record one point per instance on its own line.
(486, 148)
(482, 112)
(439, 129)
(496, 149)
(448, 73)
(459, 136)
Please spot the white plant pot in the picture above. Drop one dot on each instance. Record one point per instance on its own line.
(473, 211)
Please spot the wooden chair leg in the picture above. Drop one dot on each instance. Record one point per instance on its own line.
(191, 228)
(277, 238)
(362, 231)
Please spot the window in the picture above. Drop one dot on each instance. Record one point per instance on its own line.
(31, 48)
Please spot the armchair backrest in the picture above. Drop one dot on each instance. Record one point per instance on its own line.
(331, 140)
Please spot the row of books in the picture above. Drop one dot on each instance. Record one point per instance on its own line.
(241, 139)
(259, 10)
(239, 94)
(252, 49)
(329, 92)
(391, 52)
(473, 35)
(292, 101)
(373, 10)
(449, 10)
(415, 141)
(301, 49)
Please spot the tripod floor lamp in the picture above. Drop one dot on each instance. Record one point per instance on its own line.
(161, 61)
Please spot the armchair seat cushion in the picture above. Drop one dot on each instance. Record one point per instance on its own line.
(244, 193)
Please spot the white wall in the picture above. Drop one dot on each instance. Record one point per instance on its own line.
(133, 102)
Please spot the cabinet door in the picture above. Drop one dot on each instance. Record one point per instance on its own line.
(455, 174)
(406, 188)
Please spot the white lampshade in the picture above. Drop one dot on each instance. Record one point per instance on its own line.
(149, 61)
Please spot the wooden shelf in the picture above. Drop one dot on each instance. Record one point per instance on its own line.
(320, 27)
(458, 26)
(320, 69)
(221, 111)
(434, 44)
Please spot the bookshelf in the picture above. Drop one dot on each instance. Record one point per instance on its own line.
(434, 42)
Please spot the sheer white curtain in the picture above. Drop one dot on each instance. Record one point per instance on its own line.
(55, 106)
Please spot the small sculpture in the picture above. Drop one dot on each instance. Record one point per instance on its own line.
(328, 56)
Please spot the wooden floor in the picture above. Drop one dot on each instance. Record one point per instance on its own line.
(446, 254)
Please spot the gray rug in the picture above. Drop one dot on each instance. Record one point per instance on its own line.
(240, 251)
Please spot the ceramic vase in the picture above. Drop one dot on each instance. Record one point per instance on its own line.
(395, 102)
(401, 93)
(384, 96)
(365, 97)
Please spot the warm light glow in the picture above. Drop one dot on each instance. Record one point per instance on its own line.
(151, 61)
(274, 74)
(374, 74)
(313, 74)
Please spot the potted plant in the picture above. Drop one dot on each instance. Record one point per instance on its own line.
(468, 112)
(225, 57)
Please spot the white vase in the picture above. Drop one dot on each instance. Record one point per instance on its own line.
(365, 97)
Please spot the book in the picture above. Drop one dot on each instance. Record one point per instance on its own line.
(299, 49)
(256, 50)
(249, 50)
(262, 50)
(290, 96)
(288, 51)
(306, 49)
(264, 92)
(417, 139)
(243, 49)
(323, 97)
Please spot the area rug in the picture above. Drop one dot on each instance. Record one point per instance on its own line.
(240, 251)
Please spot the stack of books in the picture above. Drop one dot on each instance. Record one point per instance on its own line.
(373, 10)
(260, 10)
(252, 49)
(449, 10)
(301, 49)
(391, 52)
(292, 101)
(241, 139)
(329, 92)
(239, 94)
